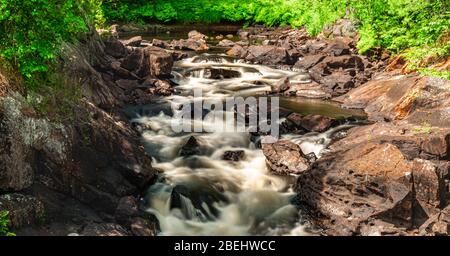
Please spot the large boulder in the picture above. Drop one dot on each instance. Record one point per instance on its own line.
(285, 157)
(351, 188)
(151, 60)
(398, 97)
(22, 133)
(115, 48)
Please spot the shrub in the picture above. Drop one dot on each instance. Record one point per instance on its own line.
(4, 224)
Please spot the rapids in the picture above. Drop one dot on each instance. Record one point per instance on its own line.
(203, 194)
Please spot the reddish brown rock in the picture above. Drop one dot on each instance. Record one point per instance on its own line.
(285, 157)
(371, 181)
(268, 55)
(309, 61)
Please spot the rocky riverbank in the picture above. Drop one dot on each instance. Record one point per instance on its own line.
(390, 177)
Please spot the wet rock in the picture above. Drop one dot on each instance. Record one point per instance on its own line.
(234, 156)
(23, 210)
(134, 41)
(202, 198)
(190, 148)
(115, 48)
(285, 157)
(226, 43)
(281, 86)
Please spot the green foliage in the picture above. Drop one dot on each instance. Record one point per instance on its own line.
(314, 14)
(398, 24)
(32, 30)
(4, 224)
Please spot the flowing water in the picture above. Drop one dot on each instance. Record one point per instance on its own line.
(203, 194)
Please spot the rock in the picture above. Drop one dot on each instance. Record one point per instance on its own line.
(104, 229)
(338, 48)
(315, 123)
(134, 60)
(127, 85)
(339, 82)
(230, 36)
(194, 34)
(309, 61)
(413, 144)
(281, 86)
(234, 156)
(243, 35)
(397, 97)
(24, 210)
(268, 55)
(160, 43)
(438, 224)
(345, 61)
(226, 43)
(190, 148)
(238, 51)
(163, 88)
(285, 157)
(191, 44)
(103, 163)
(115, 48)
(216, 73)
(311, 90)
(429, 186)
(16, 138)
(203, 197)
(126, 210)
(134, 41)
(370, 181)
(161, 62)
(142, 227)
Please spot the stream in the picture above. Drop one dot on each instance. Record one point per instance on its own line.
(203, 194)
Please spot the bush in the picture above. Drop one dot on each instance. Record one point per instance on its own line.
(31, 31)
(4, 224)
